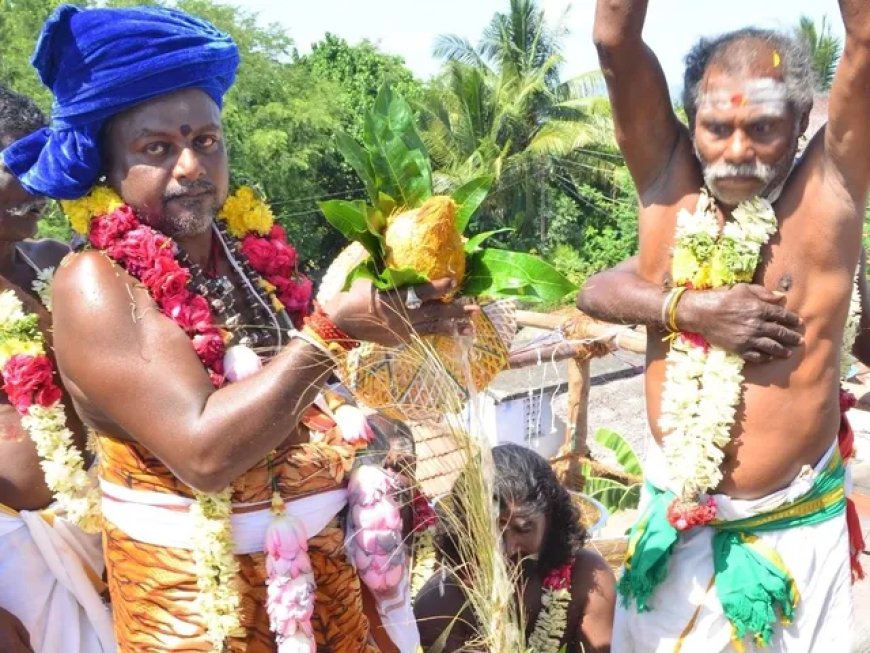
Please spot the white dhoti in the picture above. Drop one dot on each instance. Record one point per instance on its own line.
(686, 615)
(48, 571)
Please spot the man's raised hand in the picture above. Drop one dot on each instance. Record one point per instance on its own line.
(389, 317)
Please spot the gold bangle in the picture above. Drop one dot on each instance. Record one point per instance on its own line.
(669, 309)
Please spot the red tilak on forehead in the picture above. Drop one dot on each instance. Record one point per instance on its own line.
(738, 99)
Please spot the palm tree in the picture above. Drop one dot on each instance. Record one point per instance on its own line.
(825, 49)
(501, 109)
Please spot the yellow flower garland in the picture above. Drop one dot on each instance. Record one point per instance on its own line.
(100, 201)
(244, 212)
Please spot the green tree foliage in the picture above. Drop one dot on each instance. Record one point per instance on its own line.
(593, 228)
(825, 49)
(501, 109)
(357, 73)
(20, 22)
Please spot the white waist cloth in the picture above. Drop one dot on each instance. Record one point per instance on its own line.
(686, 614)
(165, 520)
(43, 582)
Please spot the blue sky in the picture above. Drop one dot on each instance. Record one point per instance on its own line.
(409, 27)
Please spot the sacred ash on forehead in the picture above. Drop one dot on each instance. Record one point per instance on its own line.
(768, 95)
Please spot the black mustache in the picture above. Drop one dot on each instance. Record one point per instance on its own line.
(196, 188)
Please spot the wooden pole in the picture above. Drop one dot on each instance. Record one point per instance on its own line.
(627, 340)
(579, 379)
(569, 467)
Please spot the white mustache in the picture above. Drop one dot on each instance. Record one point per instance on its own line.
(722, 169)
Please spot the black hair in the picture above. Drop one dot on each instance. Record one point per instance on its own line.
(736, 50)
(19, 115)
(524, 478)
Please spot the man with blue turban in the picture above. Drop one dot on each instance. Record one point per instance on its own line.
(222, 485)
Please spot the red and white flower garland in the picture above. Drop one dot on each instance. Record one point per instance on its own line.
(28, 381)
(552, 620)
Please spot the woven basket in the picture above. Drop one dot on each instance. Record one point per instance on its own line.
(421, 381)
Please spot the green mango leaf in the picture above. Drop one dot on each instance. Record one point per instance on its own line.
(399, 160)
(399, 117)
(401, 278)
(351, 218)
(501, 273)
(358, 159)
(625, 454)
(472, 245)
(388, 279)
(386, 205)
(468, 198)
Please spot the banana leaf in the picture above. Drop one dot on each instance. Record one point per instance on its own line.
(501, 273)
(615, 496)
(625, 455)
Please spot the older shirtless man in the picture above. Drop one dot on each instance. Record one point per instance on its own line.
(743, 524)
(47, 602)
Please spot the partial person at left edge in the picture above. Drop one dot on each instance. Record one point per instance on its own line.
(41, 549)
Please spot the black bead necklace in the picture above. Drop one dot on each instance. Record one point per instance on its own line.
(264, 333)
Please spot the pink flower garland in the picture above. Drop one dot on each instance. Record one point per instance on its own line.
(559, 578)
(149, 256)
(275, 260)
(375, 541)
(290, 582)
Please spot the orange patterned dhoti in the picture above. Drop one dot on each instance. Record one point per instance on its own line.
(154, 587)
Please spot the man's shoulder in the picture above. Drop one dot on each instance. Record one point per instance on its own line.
(89, 282)
(590, 570)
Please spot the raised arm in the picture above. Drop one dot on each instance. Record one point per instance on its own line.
(847, 138)
(646, 128)
(747, 319)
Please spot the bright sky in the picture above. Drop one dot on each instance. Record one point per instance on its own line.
(409, 27)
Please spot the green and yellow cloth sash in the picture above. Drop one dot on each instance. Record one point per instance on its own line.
(753, 584)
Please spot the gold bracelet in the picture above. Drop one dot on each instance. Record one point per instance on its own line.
(669, 309)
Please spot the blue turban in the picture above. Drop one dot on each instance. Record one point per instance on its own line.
(99, 62)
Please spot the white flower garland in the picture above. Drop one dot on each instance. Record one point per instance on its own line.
(63, 465)
(552, 620)
(703, 384)
(216, 565)
(42, 286)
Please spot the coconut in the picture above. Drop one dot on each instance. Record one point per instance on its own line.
(426, 240)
